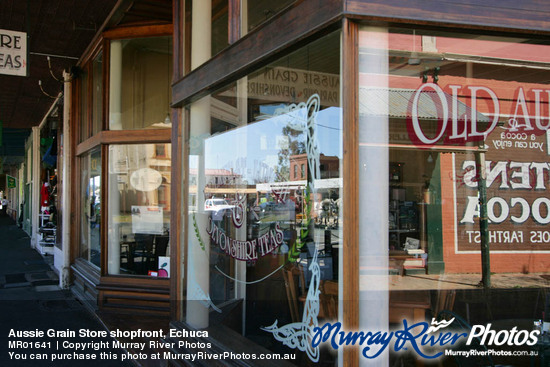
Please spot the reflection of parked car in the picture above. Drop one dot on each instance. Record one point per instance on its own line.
(216, 205)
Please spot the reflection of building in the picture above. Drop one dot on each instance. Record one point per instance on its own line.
(219, 183)
(298, 167)
(217, 178)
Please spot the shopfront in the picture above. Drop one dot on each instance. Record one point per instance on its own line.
(48, 208)
(361, 171)
(259, 170)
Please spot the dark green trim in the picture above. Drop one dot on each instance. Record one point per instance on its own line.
(434, 224)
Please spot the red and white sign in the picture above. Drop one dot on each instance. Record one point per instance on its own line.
(471, 113)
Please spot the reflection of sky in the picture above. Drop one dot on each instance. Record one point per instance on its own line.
(251, 150)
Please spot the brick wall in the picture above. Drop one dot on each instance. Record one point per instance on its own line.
(471, 263)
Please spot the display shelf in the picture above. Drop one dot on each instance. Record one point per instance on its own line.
(47, 235)
(403, 223)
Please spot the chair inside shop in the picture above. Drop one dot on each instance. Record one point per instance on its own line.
(445, 301)
(161, 244)
(143, 253)
(329, 299)
(295, 289)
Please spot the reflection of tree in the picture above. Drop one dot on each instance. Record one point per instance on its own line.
(296, 145)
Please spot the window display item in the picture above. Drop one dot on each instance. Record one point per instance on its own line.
(45, 194)
(411, 244)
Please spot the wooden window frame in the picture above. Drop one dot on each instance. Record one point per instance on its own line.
(88, 272)
(350, 173)
(84, 118)
(105, 138)
(242, 57)
(274, 38)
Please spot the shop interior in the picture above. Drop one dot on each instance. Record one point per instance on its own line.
(49, 223)
(140, 208)
(412, 194)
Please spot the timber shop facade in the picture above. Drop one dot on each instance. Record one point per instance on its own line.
(256, 169)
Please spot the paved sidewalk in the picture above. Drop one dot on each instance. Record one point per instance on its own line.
(469, 281)
(30, 300)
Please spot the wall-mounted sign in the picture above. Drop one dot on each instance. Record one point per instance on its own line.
(12, 183)
(517, 183)
(457, 114)
(13, 53)
(147, 219)
(280, 83)
(95, 165)
(512, 125)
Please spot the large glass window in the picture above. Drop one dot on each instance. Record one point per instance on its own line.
(210, 23)
(220, 25)
(138, 175)
(97, 93)
(139, 209)
(90, 207)
(90, 97)
(84, 113)
(259, 11)
(262, 241)
(453, 181)
(139, 83)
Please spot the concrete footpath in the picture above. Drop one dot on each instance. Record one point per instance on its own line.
(31, 301)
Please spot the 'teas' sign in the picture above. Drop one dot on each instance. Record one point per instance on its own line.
(13, 53)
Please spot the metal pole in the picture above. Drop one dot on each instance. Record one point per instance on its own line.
(66, 219)
(36, 184)
(483, 220)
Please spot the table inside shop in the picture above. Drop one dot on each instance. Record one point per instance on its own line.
(397, 260)
(410, 305)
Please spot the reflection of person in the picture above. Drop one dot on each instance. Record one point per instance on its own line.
(94, 217)
(5, 203)
(325, 213)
